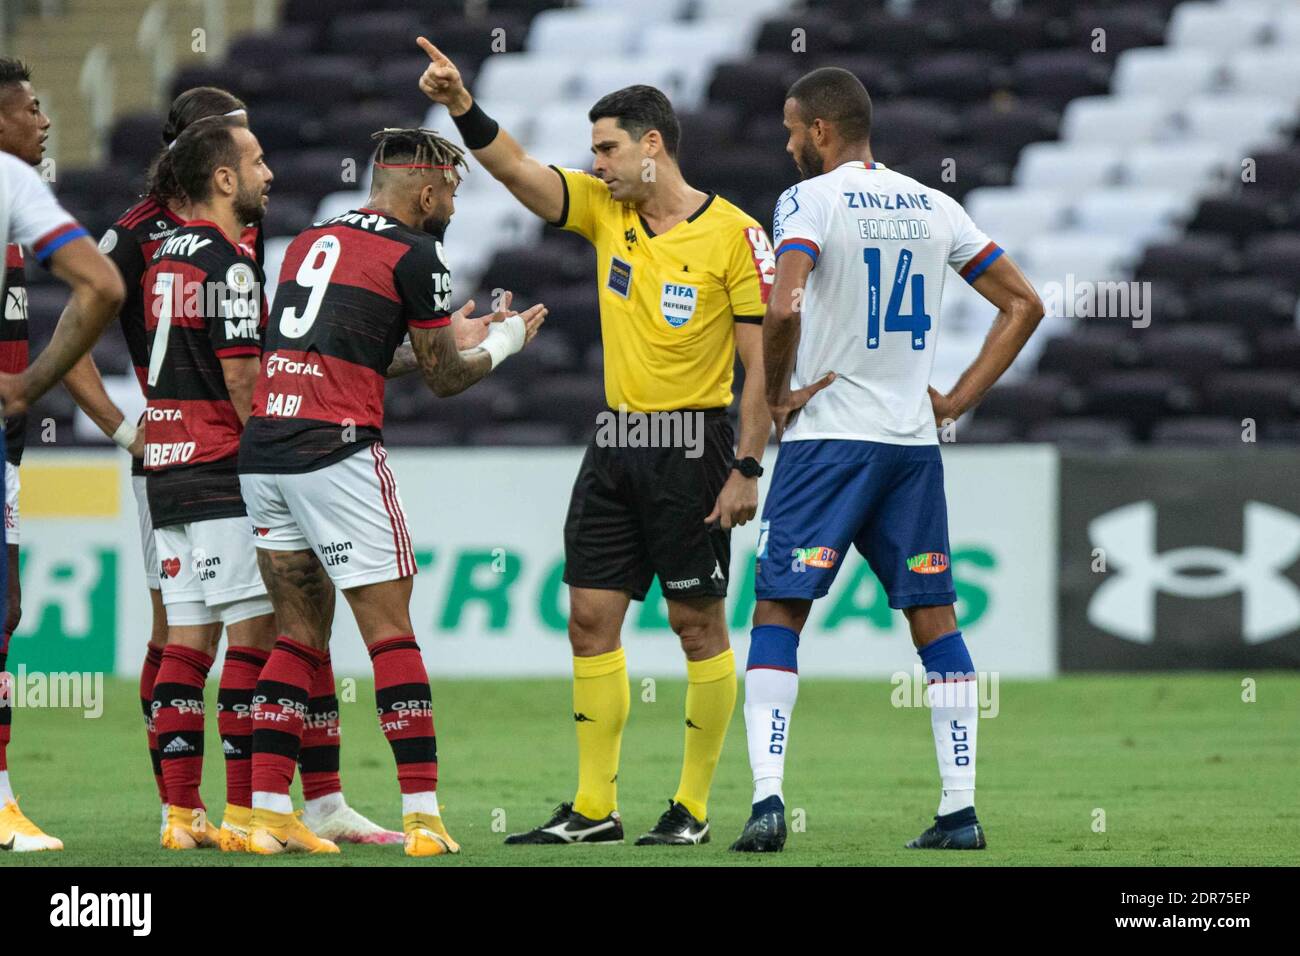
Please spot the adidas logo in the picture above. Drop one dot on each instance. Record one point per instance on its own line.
(177, 746)
(228, 748)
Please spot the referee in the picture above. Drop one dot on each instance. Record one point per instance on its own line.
(683, 278)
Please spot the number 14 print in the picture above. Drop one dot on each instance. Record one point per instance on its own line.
(917, 322)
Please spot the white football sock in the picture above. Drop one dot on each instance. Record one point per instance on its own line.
(323, 806)
(5, 792)
(769, 703)
(275, 802)
(954, 717)
(425, 802)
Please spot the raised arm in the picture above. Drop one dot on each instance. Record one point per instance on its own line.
(1019, 312)
(534, 184)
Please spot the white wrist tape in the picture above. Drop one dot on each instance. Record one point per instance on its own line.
(504, 339)
(124, 437)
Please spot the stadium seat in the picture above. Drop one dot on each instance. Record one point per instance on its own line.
(1196, 430)
(1141, 396)
(1195, 350)
(1264, 396)
(1212, 26)
(1249, 303)
(1143, 213)
(377, 33)
(572, 401)
(286, 40)
(319, 82)
(1084, 255)
(1122, 27)
(956, 77)
(1166, 72)
(1002, 128)
(681, 79)
(135, 139)
(1071, 167)
(1265, 71)
(1280, 349)
(1241, 214)
(708, 41)
(1276, 256)
(1058, 76)
(1034, 400)
(1011, 215)
(753, 85)
(1116, 120)
(1189, 259)
(1238, 122)
(1191, 167)
(520, 435)
(1081, 355)
(980, 429)
(528, 80)
(574, 32)
(1084, 433)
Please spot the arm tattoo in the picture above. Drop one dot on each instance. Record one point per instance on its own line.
(448, 371)
(301, 593)
(404, 362)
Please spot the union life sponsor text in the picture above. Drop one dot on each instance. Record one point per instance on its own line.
(78, 909)
(74, 691)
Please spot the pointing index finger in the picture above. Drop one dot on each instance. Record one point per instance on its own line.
(434, 53)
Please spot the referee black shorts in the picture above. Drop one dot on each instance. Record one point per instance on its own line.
(639, 511)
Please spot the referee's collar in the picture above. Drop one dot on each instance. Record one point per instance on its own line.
(861, 165)
(691, 218)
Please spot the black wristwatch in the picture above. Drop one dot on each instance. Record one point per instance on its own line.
(749, 467)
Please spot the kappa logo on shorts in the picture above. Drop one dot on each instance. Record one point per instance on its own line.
(928, 562)
(678, 303)
(816, 557)
(171, 567)
(261, 532)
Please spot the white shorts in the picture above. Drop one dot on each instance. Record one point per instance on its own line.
(209, 563)
(349, 513)
(147, 548)
(12, 487)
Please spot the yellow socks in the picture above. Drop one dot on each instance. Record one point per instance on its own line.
(600, 706)
(710, 701)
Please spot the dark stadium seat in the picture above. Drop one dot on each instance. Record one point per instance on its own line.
(279, 126)
(1279, 349)
(378, 33)
(1125, 25)
(1006, 31)
(1197, 430)
(314, 172)
(1057, 76)
(904, 128)
(522, 434)
(822, 34)
(572, 401)
(349, 128)
(421, 434)
(956, 77)
(1032, 400)
(1276, 256)
(982, 429)
(1000, 128)
(1190, 259)
(245, 81)
(879, 74)
(1257, 303)
(1264, 396)
(754, 85)
(320, 82)
(1081, 355)
(526, 269)
(709, 129)
(1239, 215)
(885, 34)
(320, 11)
(1140, 395)
(1090, 433)
(136, 139)
(257, 49)
(288, 214)
(1277, 171)
(1195, 350)
(572, 311)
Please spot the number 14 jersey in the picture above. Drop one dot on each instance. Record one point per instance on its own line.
(881, 245)
(350, 288)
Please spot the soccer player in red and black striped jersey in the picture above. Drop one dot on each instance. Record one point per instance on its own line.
(324, 505)
(131, 243)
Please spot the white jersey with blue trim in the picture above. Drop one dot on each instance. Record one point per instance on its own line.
(29, 213)
(881, 245)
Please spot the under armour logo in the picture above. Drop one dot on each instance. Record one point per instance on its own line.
(1125, 604)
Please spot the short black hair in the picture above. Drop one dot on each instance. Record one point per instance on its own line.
(13, 72)
(638, 110)
(205, 146)
(836, 96)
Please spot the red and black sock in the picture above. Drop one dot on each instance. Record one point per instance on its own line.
(149, 677)
(178, 714)
(279, 710)
(6, 703)
(318, 760)
(405, 706)
(239, 676)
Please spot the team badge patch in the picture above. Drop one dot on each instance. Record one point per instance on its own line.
(620, 276)
(928, 562)
(240, 278)
(678, 303)
(109, 241)
(816, 557)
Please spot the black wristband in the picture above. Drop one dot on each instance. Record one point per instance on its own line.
(477, 129)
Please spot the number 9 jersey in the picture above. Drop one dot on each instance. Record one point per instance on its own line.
(350, 288)
(881, 244)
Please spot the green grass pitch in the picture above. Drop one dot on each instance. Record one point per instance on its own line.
(1185, 771)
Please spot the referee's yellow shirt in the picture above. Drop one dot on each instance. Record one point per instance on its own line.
(668, 302)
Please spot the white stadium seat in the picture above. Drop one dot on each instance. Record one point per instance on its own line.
(1084, 255)
(663, 10)
(1138, 211)
(272, 258)
(563, 134)
(1118, 120)
(582, 33)
(681, 78)
(1009, 215)
(514, 118)
(1188, 165)
(528, 80)
(481, 227)
(1213, 26)
(1265, 71)
(738, 9)
(336, 204)
(1239, 122)
(710, 40)
(1286, 27)
(1066, 166)
(1158, 71)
